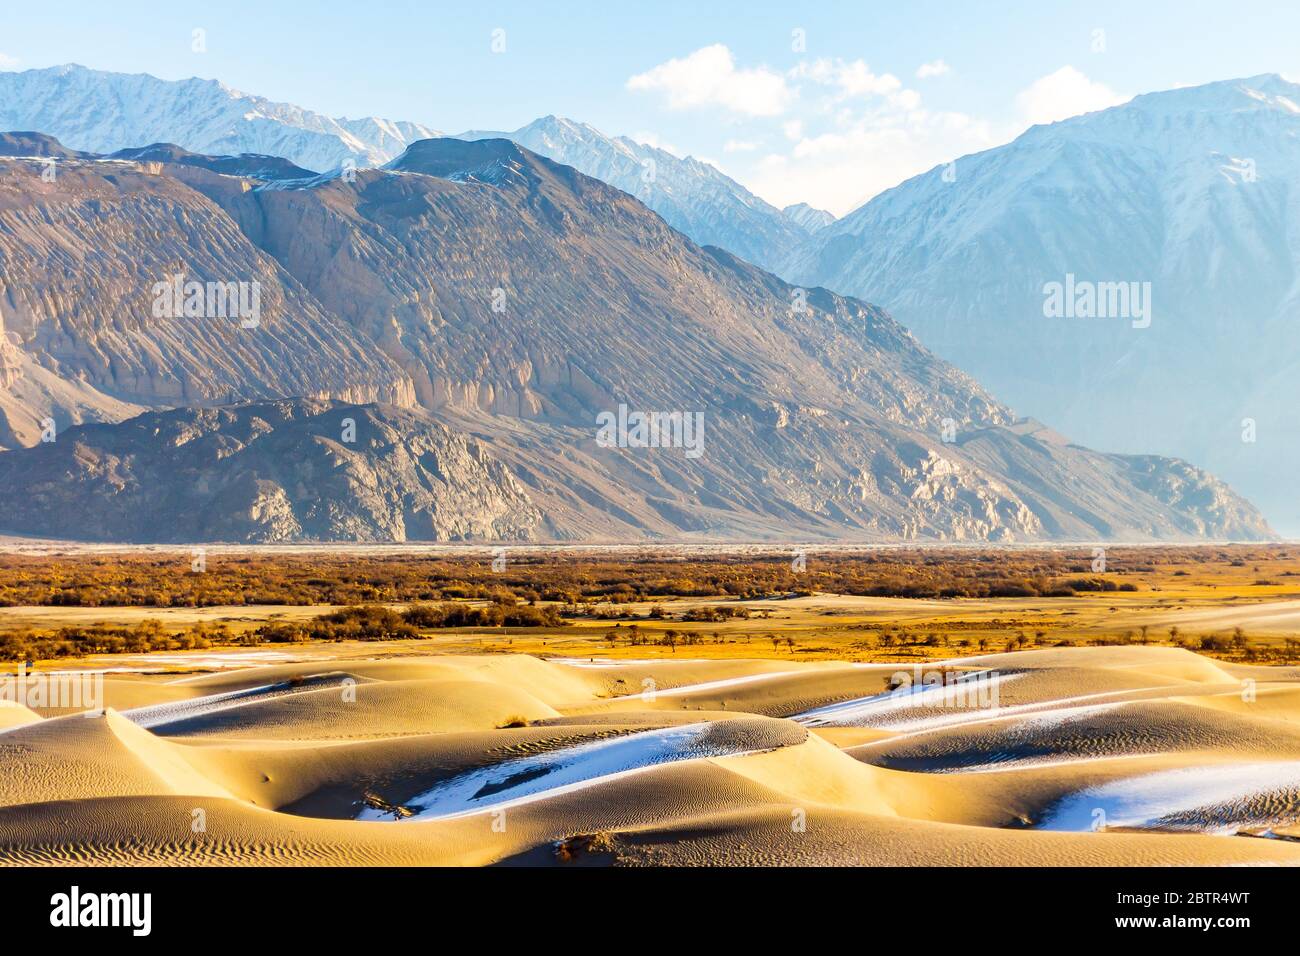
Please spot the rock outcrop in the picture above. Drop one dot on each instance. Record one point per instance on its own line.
(271, 472)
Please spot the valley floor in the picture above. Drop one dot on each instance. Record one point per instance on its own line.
(1151, 724)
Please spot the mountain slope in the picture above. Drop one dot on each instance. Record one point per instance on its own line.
(692, 196)
(81, 260)
(283, 471)
(808, 217)
(517, 302)
(249, 165)
(1196, 191)
(101, 112)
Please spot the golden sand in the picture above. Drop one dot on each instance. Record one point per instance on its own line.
(279, 776)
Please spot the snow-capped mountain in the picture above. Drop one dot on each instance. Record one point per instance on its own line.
(692, 196)
(809, 217)
(100, 112)
(1195, 191)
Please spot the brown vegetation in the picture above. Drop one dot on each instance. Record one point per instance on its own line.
(133, 580)
(652, 600)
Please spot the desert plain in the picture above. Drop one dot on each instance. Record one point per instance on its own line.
(1154, 720)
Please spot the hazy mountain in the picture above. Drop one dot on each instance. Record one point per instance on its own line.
(1196, 191)
(809, 218)
(20, 143)
(251, 165)
(515, 301)
(692, 196)
(101, 112)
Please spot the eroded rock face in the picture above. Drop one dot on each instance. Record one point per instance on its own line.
(271, 472)
(82, 257)
(504, 283)
(515, 300)
(10, 360)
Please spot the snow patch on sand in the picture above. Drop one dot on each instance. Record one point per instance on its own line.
(161, 715)
(562, 771)
(970, 691)
(709, 685)
(1219, 799)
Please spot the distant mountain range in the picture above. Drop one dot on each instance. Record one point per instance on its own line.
(692, 196)
(809, 217)
(1195, 191)
(477, 310)
(104, 112)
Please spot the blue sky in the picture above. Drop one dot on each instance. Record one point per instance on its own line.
(878, 92)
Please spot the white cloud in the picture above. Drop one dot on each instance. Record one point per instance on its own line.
(848, 132)
(709, 77)
(851, 79)
(855, 79)
(865, 154)
(933, 68)
(1062, 94)
(857, 131)
(908, 99)
(8, 62)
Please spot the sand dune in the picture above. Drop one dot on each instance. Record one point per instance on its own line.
(472, 760)
(565, 770)
(193, 709)
(1220, 798)
(1277, 617)
(16, 715)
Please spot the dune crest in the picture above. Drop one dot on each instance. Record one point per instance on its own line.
(469, 760)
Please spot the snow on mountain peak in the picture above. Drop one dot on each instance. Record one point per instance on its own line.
(1192, 191)
(103, 112)
(99, 111)
(692, 196)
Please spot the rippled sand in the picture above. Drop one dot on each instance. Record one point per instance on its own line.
(1080, 756)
